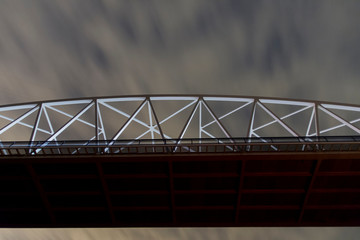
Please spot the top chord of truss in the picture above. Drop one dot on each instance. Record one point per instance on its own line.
(175, 117)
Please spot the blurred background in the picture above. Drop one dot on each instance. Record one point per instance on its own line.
(82, 48)
(304, 49)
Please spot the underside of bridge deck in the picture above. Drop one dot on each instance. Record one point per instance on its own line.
(178, 190)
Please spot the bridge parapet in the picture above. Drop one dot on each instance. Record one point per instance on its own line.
(188, 146)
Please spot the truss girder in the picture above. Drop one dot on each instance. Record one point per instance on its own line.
(175, 117)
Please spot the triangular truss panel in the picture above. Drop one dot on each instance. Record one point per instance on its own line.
(175, 117)
(21, 126)
(114, 113)
(142, 125)
(211, 126)
(336, 120)
(302, 122)
(64, 120)
(173, 114)
(234, 114)
(296, 118)
(349, 114)
(83, 128)
(8, 115)
(17, 122)
(262, 121)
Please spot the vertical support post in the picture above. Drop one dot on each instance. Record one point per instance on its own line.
(251, 123)
(35, 127)
(36, 124)
(158, 124)
(101, 121)
(312, 118)
(317, 126)
(200, 118)
(200, 123)
(96, 120)
(317, 120)
(150, 120)
(96, 125)
(48, 121)
(156, 119)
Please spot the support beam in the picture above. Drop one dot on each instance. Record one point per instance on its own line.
(41, 192)
(251, 121)
(96, 120)
(172, 191)
(106, 192)
(309, 189)
(317, 124)
(240, 190)
(156, 119)
(37, 120)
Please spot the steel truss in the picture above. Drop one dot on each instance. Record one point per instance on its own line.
(173, 119)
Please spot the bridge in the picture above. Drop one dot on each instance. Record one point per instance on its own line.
(177, 161)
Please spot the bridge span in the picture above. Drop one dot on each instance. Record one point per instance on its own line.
(176, 161)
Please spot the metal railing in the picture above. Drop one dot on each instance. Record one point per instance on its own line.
(171, 146)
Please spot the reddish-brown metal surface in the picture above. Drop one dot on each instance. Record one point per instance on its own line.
(178, 190)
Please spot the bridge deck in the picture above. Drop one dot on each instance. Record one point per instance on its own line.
(181, 189)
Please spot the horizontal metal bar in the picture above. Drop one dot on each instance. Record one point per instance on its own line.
(218, 145)
(129, 176)
(333, 207)
(335, 190)
(207, 191)
(339, 173)
(68, 176)
(278, 174)
(272, 191)
(269, 207)
(139, 192)
(196, 208)
(205, 175)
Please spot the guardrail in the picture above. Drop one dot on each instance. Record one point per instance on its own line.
(169, 146)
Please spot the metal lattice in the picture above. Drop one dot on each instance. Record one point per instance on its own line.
(175, 117)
